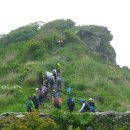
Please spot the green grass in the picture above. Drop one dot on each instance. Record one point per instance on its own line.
(86, 76)
(83, 69)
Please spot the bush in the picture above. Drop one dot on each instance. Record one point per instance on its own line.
(8, 94)
(31, 79)
(72, 119)
(30, 122)
(70, 36)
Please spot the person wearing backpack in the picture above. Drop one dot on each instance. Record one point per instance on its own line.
(51, 82)
(35, 101)
(55, 93)
(59, 81)
(44, 89)
(71, 104)
(61, 42)
(29, 104)
(41, 96)
(54, 74)
(85, 107)
(56, 102)
(68, 90)
(58, 67)
(92, 105)
(46, 82)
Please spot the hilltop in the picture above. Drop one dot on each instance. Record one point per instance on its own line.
(88, 59)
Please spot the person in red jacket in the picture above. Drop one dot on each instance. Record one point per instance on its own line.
(57, 102)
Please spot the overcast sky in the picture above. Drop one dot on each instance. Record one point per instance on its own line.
(113, 14)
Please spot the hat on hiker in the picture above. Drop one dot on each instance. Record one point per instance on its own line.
(36, 89)
(90, 99)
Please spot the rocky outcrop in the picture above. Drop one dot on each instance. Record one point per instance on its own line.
(18, 115)
(111, 120)
(98, 38)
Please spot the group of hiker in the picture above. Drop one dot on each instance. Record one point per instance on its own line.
(52, 81)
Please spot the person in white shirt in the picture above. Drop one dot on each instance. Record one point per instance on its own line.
(85, 106)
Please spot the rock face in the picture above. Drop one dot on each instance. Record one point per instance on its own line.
(98, 38)
(110, 120)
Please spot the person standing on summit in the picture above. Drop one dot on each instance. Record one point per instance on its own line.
(61, 42)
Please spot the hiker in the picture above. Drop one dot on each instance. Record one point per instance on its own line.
(44, 78)
(57, 102)
(92, 105)
(68, 90)
(85, 106)
(51, 82)
(61, 42)
(29, 104)
(59, 82)
(71, 104)
(48, 75)
(58, 67)
(54, 74)
(41, 96)
(46, 82)
(56, 94)
(44, 89)
(35, 101)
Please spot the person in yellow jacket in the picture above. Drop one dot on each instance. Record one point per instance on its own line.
(58, 67)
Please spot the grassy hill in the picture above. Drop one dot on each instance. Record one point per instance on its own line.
(88, 61)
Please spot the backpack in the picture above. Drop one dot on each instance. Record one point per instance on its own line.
(86, 106)
(28, 104)
(40, 92)
(58, 78)
(56, 102)
(72, 101)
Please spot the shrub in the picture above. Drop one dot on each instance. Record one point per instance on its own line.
(72, 119)
(30, 122)
(8, 94)
(70, 36)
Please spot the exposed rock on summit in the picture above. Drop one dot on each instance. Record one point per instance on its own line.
(98, 38)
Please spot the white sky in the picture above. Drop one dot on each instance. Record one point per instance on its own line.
(113, 14)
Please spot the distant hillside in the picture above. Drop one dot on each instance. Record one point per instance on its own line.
(88, 59)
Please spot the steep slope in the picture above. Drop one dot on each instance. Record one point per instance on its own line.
(87, 58)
